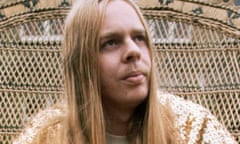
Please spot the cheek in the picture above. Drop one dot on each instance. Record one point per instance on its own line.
(103, 70)
(107, 75)
(108, 66)
(147, 57)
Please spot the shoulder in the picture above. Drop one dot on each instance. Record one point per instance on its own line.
(42, 126)
(196, 124)
(183, 108)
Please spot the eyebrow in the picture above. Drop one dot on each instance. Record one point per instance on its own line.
(139, 31)
(108, 35)
(117, 33)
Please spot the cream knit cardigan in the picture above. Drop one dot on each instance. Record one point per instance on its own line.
(196, 124)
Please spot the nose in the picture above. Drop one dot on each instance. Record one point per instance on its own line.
(132, 51)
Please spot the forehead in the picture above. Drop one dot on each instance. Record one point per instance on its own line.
(119, 13)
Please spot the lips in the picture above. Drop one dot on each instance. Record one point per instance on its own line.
(134, 78)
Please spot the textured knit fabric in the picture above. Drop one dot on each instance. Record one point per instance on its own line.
(195, 124)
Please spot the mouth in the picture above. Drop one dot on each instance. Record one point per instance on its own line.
(135, 78)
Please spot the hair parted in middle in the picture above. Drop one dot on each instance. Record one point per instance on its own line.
(151, 123)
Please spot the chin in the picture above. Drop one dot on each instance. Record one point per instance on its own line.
(138, 96)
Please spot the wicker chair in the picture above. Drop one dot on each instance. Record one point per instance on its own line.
(30, 61)
(197, 52)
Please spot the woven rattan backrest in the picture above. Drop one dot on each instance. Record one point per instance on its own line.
(197, 51)
(30, 61)
(197, 57)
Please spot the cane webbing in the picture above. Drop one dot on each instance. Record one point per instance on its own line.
(197, 57)
(198, 61)
(30, 62)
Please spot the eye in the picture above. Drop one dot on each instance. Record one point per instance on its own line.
(140, 39)
(110, 44)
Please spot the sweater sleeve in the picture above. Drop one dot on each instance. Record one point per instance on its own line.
(42, 128)
(196, 124)
(213, 132)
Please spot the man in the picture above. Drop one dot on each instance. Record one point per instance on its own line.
(110, 87)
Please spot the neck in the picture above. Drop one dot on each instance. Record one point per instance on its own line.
(117, 120)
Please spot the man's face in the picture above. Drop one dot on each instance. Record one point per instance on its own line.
(124, 57)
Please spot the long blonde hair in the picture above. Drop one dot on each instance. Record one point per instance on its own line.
(151, 123)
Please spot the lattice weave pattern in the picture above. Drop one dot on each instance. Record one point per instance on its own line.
(196, 58)
(198, 62)
(30, 66)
